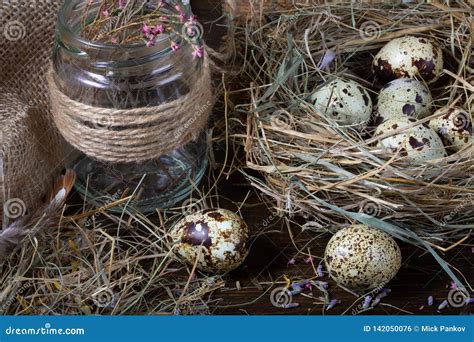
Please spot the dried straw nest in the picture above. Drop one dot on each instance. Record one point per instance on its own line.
(333, 175)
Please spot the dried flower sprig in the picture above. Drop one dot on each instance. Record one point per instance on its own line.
(122, 22)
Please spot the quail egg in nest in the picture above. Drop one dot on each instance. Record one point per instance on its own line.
(409, 57)
(215, 239)
(362, 258)
(403, 96)
(344, 101)
(418, 143)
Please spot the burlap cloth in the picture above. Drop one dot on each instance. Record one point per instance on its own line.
(32, 152)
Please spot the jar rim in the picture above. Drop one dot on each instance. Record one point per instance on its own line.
(67, 29)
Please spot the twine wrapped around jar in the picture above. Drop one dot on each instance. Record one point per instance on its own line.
(137, 134)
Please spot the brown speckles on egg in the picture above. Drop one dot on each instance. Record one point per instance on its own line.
(417, 143)
(408, 109)
(216, 239)
(197, 234)
(216, 215)
(362, 258)
(405, 96)
(409, 57)
(344, 101)
(426, 68)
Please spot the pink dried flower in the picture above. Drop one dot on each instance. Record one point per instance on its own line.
(175, 47)
(453, 286)
(164, 18)
(292, 261)
(309, 260)
(150, 43)
(182, 15)
(198, 51)
(105, 13)
(158, 29)
(146, 29)
(121, 4)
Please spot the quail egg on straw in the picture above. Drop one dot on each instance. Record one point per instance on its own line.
(215, 239)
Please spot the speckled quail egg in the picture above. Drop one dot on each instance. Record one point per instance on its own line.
(216, 238)
(418, 143)
(403, 96)
(454, 125)
(409, 57)
(362, 258)
(344, 101)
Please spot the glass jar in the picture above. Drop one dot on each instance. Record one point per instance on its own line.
(126, 77)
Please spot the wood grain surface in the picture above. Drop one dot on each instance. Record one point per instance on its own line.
(248, 288)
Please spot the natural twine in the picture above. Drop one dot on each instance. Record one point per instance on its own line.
(156, 131)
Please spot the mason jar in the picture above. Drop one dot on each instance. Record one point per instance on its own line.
(136, 75)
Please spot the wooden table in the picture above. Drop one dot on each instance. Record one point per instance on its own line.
(272, 248)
